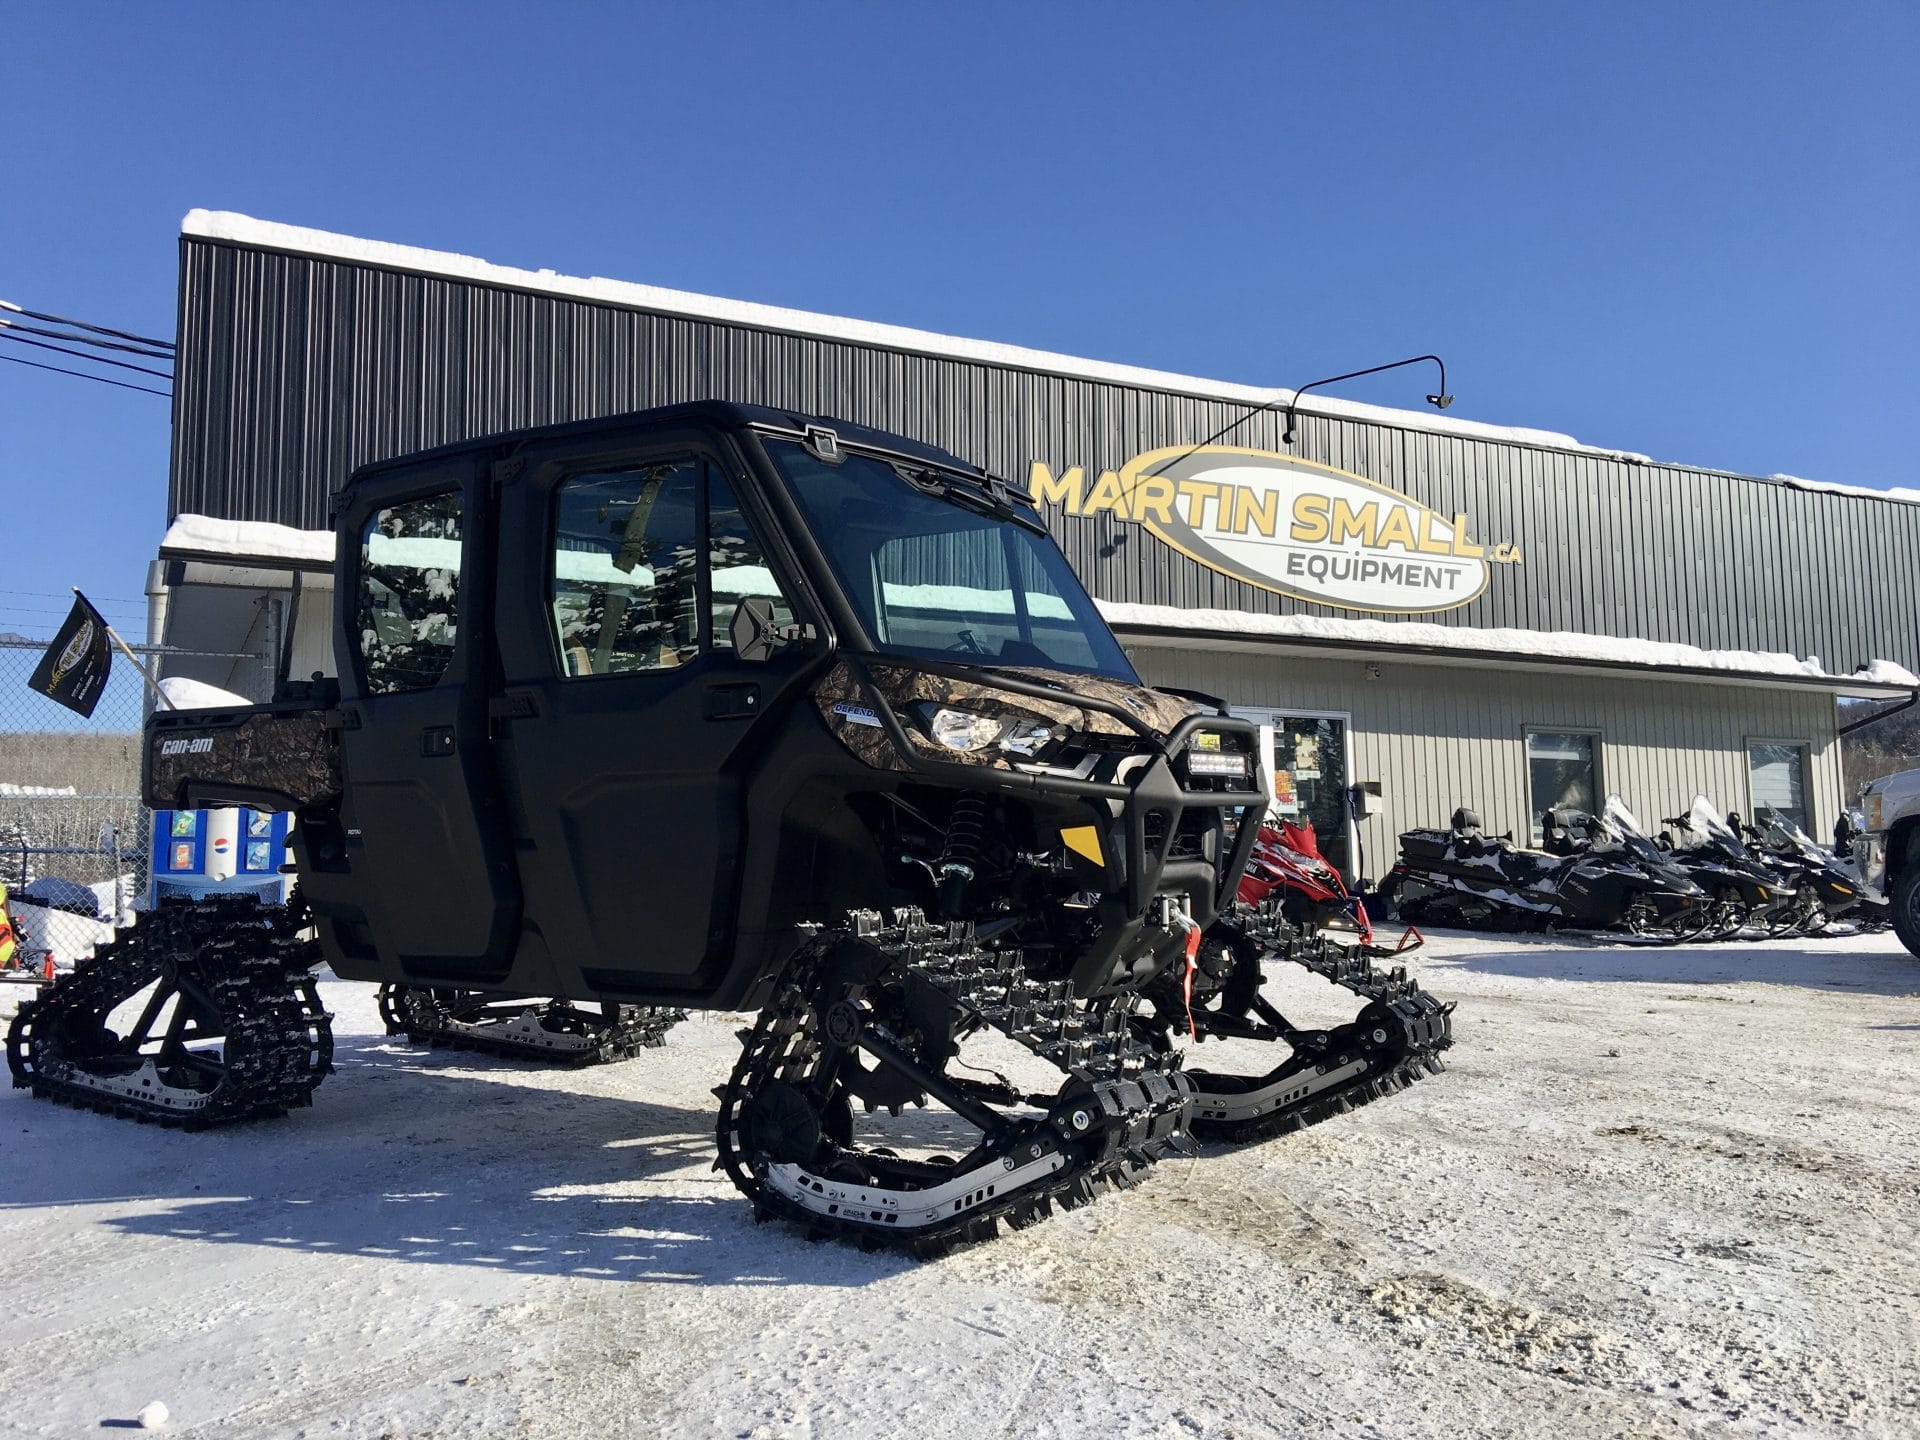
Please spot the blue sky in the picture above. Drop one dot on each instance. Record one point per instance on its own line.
(1689, 230)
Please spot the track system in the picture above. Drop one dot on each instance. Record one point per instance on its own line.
(1396, 1038)
(198, 1014)
(897, 995)
(555, 1032)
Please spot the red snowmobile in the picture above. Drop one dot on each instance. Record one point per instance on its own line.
(1287, 866)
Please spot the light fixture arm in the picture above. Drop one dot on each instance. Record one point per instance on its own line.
(1439, 402)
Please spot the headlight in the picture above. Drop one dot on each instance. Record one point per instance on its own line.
(1873, 811)
(1216, 762)
(969, 731)
(962, 729)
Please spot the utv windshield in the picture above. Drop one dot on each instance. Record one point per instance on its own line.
(935, 569)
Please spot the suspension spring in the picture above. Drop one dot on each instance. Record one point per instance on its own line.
(966, 830)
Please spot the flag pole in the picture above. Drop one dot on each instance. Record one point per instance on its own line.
(138, 664)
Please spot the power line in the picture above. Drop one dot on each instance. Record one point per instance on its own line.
(81, 354)
(61, 595)
(81, 374)
(83, 325)
(149, 352)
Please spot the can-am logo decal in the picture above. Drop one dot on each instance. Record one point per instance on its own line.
(1290, 526)
(201, 746)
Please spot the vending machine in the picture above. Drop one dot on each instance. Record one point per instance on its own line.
(219, 852)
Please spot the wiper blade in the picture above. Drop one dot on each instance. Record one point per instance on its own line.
(987, 495)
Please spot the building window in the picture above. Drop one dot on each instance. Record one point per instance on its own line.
(1563, 772)
(408, 614)
(1777, 779)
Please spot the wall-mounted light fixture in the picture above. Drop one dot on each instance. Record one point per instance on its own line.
(1439, 402)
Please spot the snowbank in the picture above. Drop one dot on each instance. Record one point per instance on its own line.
(1532, 644)
(16, 791)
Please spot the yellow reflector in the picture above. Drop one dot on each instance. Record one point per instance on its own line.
(1084, 840)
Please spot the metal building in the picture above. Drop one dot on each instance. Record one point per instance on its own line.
(1462, 613)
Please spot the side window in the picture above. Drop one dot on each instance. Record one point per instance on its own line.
(1562, 773)
(408, 614)
(738, 566)
(626, 569)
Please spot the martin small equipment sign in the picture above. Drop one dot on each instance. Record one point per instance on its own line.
(1287, 525)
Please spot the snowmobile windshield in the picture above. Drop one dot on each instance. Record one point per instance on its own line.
(1618, 825)
(937, 567)
(1780, 833)
(1706, 829)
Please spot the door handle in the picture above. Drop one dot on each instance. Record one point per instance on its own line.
(732, 702)
(437, 740)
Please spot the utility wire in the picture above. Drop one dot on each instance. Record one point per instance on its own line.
(81, 354)
(68, 335)
(83, 325)
(62, 370)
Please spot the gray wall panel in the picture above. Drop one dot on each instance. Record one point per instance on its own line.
(294, 369)
(1440, 736)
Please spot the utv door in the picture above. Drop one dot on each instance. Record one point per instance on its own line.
(429, 852)
(626, 721)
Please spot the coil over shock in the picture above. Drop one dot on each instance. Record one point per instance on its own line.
(954, 870)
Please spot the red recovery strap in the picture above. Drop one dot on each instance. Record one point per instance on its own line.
(1193, 963)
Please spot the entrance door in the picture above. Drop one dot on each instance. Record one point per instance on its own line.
(624, 722)
(1311, 772)
(434, 886)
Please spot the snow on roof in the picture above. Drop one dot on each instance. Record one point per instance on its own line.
(1828, 487)
(247, 539)
(185, 694)
(1529, 644)
(244, 230)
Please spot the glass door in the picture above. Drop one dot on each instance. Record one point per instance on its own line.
(1311, 771)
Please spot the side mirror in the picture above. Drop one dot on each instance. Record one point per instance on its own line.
(756, 631)
(752, 628)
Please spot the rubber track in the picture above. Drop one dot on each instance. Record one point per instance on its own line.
(639, 1028)
(781, 1041)
(1425, 1024)
(250, 958)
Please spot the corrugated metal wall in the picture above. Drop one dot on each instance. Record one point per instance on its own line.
(292, 370)
(1441, 736)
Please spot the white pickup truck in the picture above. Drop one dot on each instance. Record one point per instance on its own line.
(1886, 848)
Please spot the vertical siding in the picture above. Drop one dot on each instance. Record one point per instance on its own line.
(1441, 736)
(293, 370)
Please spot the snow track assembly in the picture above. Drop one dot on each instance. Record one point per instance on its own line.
(725, 708)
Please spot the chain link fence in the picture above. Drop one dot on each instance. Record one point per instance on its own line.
(74, 834)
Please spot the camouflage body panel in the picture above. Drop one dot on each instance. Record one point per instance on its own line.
(847, 709)
(267, 757)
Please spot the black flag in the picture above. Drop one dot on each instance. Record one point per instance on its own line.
(74, 670)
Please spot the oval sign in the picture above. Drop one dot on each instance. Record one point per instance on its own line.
(1304, 530)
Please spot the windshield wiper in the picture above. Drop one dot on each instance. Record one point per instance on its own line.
(987, 495)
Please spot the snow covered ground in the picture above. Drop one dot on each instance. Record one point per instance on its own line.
(1659, 1192)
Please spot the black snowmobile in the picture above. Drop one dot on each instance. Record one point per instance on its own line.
(725, 708)
(1742, 890)
(1825, 889)
(1597, 872)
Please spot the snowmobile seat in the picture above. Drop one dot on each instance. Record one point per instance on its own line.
(1425, 844)
(1557, 831)
(1466, 823)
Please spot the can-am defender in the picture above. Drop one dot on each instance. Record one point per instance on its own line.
(720, 707)
(1596, 872)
